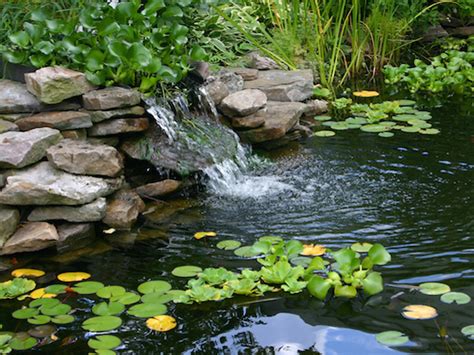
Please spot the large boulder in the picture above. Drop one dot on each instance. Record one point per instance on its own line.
(91, 212)
(243, 103)
(158, 189)
(119, 126)
(280, 85)
(19, 149)
(280, 117)
(123, 209)
(99, 116)
(74, 236)
(30, 237)
(42, 184)
(217, 90)
(254, 120)
(109, 98)
(53, 85)
(9, 219)
(59, 120)
(246, 73)
(84, 158)
(15, 98)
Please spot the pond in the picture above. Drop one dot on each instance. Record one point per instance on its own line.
(414, 194)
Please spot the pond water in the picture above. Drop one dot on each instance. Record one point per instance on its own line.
(412, 193)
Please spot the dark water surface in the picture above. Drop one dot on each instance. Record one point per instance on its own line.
(412, 193)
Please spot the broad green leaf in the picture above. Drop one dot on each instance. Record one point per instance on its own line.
(21, 38)
(173, 11)
(39, 319)
(108, 309)
(44, 302)
(186, 271)
(379, 255)
(22, 341)
(434, 288)
(102, 323)
(56, 310)
(104, 342)
(468, 331)
(229, 244)
(95, 60)
(319, 287)
(198, 53)
(152, 6)
(246, 252)
(270, 238)
(456, 297)
(25, 313)
(157, 298)
(56, 289)
(63, 319)
(15, 57)
(324, 133)
(157, 286)
(111, 291)
(345, 291)
(126, 299)
(147, 310)
(139, 55)
(373, 284)
(363, 247)
(88, 287)
(392, 338)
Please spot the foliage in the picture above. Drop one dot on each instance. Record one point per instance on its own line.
(131, 44)
(16, 287)
(451, 72)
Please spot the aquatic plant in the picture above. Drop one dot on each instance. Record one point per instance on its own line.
(16, 287)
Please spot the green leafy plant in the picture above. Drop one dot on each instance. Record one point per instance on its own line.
(16, 287)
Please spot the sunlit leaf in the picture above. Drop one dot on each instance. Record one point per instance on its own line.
(319, 287)
(468, 331)
(418, 311)
(322, 118)
(379, 255)
(200, 235)
(27, 273)
(16, 287)
(246, 252)
(229, 244)
(186, 271)
(392, 338)
(361, 247)
(25, 313)
(434, 288)
(161, 323)
(271, 238)
(345, 291)
(104, 342)
(102, 323)
(313, 250)
(41, 293)
(73, 276)
(324, 134)
(44, 302)
(365, 93)
(455, 297)
(88, 287)
(373, 284)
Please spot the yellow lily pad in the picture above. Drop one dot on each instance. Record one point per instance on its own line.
(366, 93)
(27, 273)
(161, 323)
(313, 250)
(41, 293)
(73, 276)
(419, 311)
(200, 235)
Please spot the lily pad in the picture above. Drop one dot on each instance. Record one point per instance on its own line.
(186, 271)
(56, 289)
(403, 117)
(271, 238)
(57, 310)
(434, 288)
(313, 250)
(419, 123)
(157, 286)
(374, 128)
(44, 302)
(468, 331)
(63, 319)
(363, 247)
(161, 323)
(325, 134)
(406, 102)
(16, 287)
(157, 298)
(104, 342)
(246, 252)
(386, 134)
(126, 299)
(200, 235)
(88, 287)
(419, 312)
(41, 293)
(39, 319)
(301, 260)
(102, 323)
(73, 276)
(146, 310)
(322, 118)
(328, 123)
(108, 309)
(413, 129)
(356, 120)
(388, 123)
(392, 338)
(340, 126)
(22, 341)
(229, 244)
(27, 273)
(111, 291)
(455, 297)
(25, 313)
(365, 93)
(430, 131)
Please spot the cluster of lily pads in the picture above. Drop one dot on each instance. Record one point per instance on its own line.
(383, 118)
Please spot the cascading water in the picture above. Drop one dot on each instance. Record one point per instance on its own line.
(215, 148)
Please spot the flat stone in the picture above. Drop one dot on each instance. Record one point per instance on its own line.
(19, 149)
(84, 158)
(76, 134)
(123, 209)
(12, 117)
(246, 73)
(91, 212)
(118, 126)
(280, 118)
(112, 141)
(9, 219)
(99, 116)
(160, 188)
(42, 184)
(30, 237)
(15, 98)
(316, 107)
(53, 85)
(74, 236)
(243, 103)
(233, 81)
(280, 85)
(6, 126)
(260, 62)
(112, 97)
(64, 120)
(217, 90)
(254, 120)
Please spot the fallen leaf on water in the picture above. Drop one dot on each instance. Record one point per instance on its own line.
(365, 93)
(313, 250)
(200, 235)
(419, 311)
(73, 276)
(41, 293)
(27, 273)
(161, 323)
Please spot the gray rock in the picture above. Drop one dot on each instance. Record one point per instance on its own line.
(6, 126)
(42, 184)
(3, 179)
(118, 126)
(76, 134)
(84, 158)
(257, 61)
(280, 118)
(316, 107)
(9, 219)
(19, 149)
(160, 188)
(12, 117)
(281, 85)
(60, 120)
(30, 237)
(200, 71)
(464, 31)
(434, 32)
(99, 116)
(246, 73)
(233, 81)
(109, 98)
(252, 121)
(123, 209)
(112, 141)
(15, 98)
(217, 90)
(74, 236)
(243, 103)
(53, 85)
(91, 212)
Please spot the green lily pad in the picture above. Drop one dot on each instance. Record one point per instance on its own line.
(412, 129)
(374, 128)
(44, 302)
(404, 117)
(246, 252)
(22, 341)
(271, 238)
(340, 126)
(419, 123)
(468, 331)
(56, 289)
(386, 134)
(25, 313)
(392, 338)
(108, 309)
(157, 286)
(57, 310)
(388, 123)
(429, 131)
(126, 299)
(39, 319)
(176, 294)
(104, 342)
(63, 319)
(423, 115)
(186, 271)
(16, 287)
(434, 288)
(301, 260)
(361, 247)
(105, 352)
(322, 118)
(398, 127)
(88, 287)
(455, 297)
(102, 323)
(157, 298)
(147, 310)
(356, 120)
(406, 102)
(229, 244)
(111, 291)
(353, 126)
(325, 134)
(328, 123)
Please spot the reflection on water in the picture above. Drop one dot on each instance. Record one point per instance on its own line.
(414, 194)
